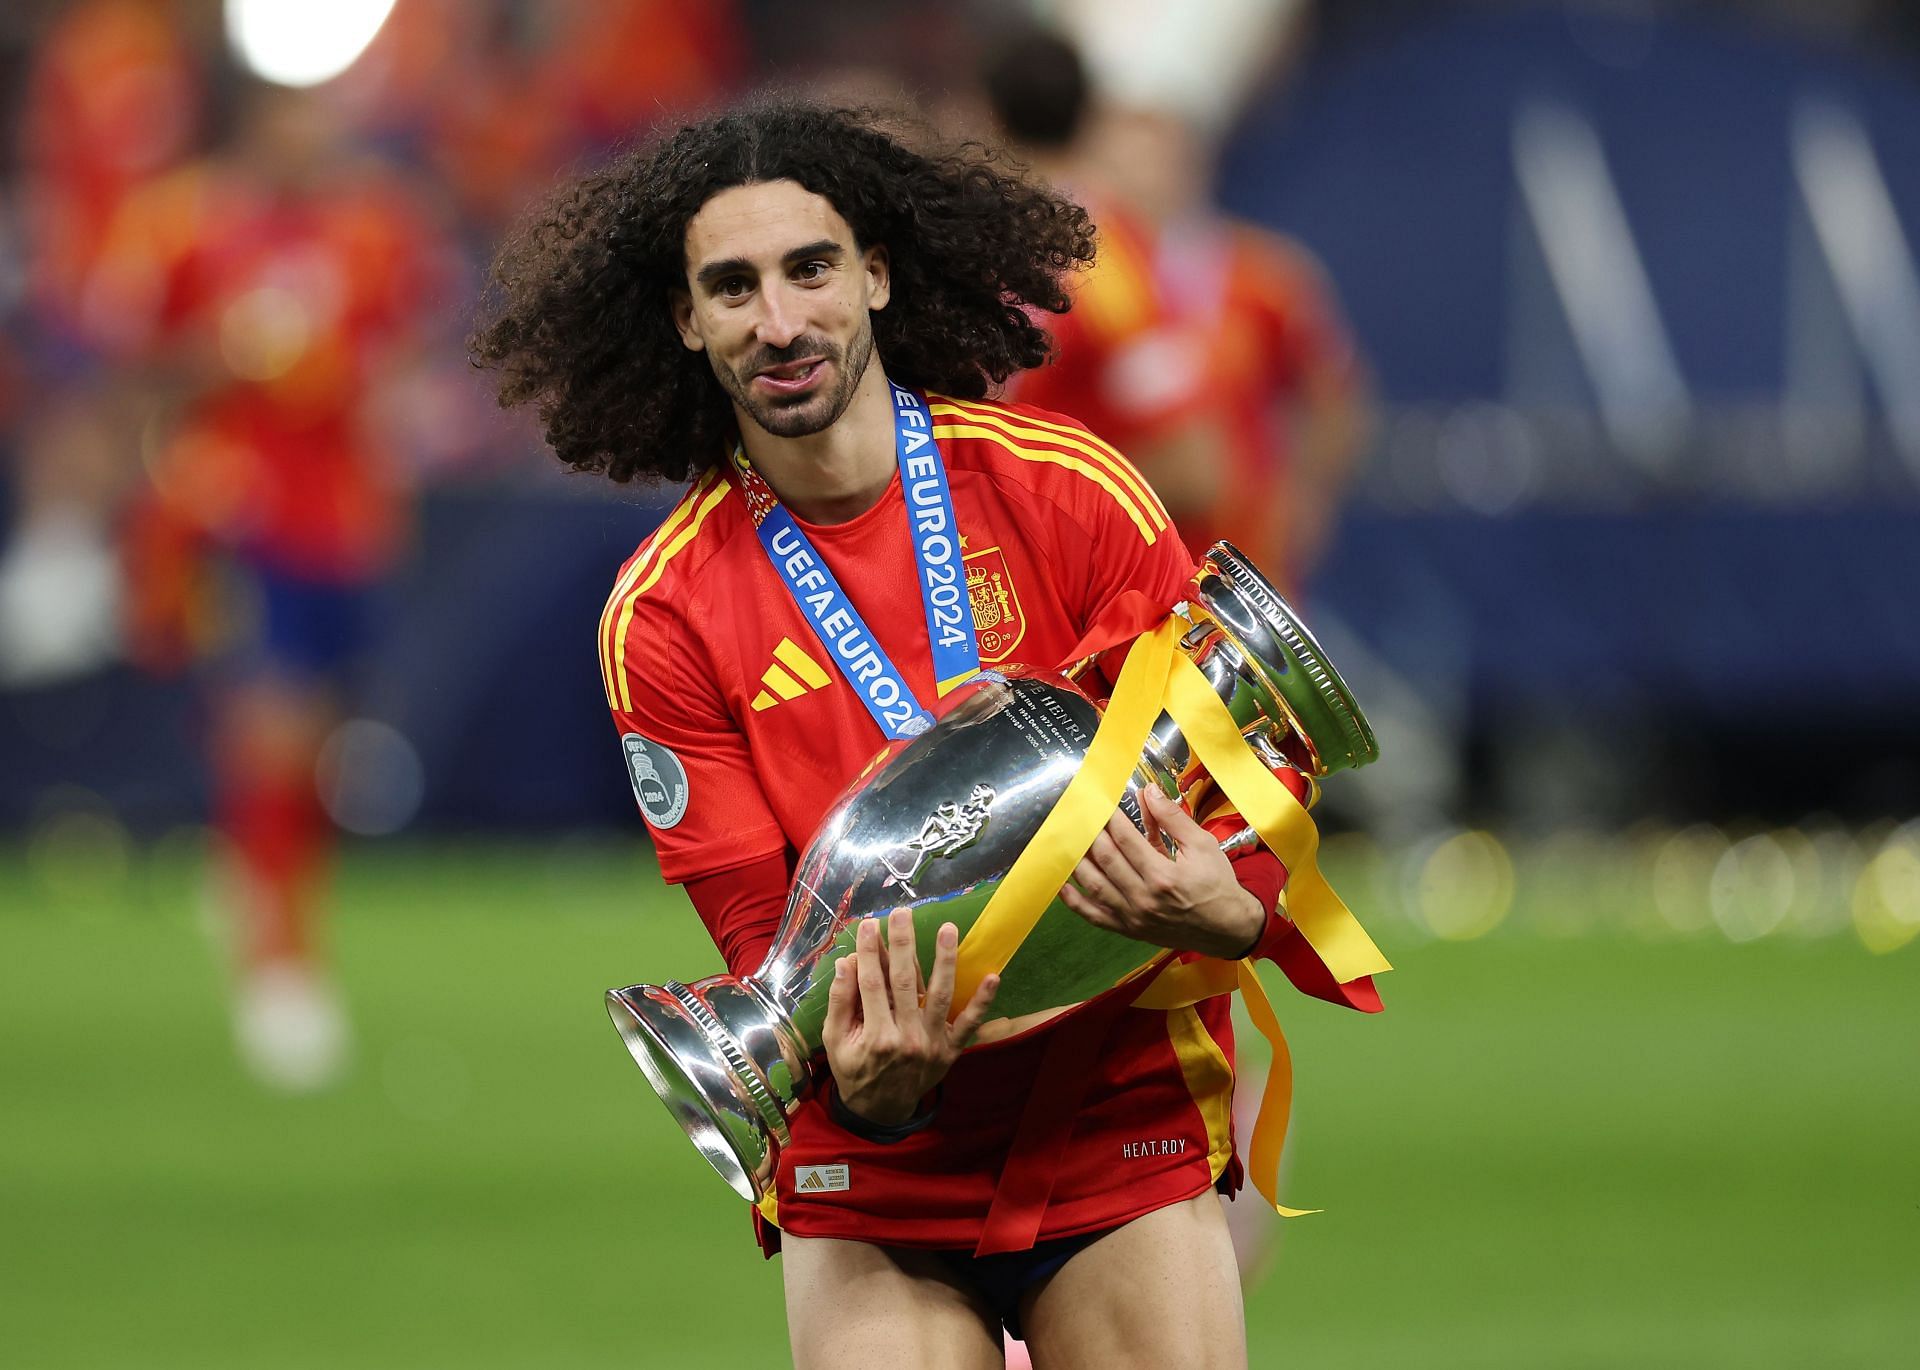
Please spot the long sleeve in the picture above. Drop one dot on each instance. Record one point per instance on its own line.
(741, 907)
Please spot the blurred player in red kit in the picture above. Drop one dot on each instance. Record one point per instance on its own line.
(780, 304)
(1211, 348)
(275, 288)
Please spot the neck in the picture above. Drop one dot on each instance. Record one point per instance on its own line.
(840, 472)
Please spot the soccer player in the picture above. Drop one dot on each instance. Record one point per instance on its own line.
(778, 305)
(276, 286)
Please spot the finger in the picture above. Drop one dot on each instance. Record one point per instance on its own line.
(946, 956)
(873, 979)
(1130, 842)
(1127, 867)
(1149, 819)
(1092, 883)
(1092, 910)
(1174, 820)
(903, 960)
(975, 1012)
(840, 1002)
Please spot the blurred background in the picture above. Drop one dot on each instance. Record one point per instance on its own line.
(1562, 358)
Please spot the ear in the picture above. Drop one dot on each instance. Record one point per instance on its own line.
(680, 305)
(879, 269)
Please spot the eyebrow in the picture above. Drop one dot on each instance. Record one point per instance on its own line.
(740, 266)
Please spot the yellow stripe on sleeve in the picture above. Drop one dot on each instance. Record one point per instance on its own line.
(667, 554)
(1045, 430)
(1093, 473)
(635, 569)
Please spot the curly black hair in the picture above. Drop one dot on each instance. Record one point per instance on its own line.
(577, 321)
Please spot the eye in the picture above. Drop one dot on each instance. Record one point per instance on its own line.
(811, 271)
(732, 287)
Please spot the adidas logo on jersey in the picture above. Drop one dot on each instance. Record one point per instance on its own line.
(820, 1179)
(792, 674)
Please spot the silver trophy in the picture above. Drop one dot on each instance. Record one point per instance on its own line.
(937, 828)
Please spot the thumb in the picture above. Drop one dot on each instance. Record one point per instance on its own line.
(975, 1013)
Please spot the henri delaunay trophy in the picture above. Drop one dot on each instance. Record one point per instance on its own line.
(936, 829)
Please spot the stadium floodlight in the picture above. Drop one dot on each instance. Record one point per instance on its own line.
(302, 42)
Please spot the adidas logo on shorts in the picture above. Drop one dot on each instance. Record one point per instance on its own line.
(820, 1179)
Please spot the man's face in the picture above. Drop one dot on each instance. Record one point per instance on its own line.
(778, 297)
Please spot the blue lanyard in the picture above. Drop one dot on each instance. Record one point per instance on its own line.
(943, 583)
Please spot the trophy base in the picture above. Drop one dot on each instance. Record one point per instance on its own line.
(695, 1044)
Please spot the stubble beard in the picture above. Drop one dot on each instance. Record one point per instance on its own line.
(804, 415)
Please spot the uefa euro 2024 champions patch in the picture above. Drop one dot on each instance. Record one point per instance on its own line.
(659, 780)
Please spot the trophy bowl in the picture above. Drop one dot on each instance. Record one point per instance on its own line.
(935, 830)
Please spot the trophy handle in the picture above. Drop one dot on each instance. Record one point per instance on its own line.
(1243, 841)
(1265, 665)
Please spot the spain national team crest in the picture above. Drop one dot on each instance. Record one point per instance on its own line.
(997, 621)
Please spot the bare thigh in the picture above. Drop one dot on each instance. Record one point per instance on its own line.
(851, 1305)
(1162, 1291)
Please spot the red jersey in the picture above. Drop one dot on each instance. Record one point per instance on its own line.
(1258, 316)
(1212, 321)
(1111, 365)
(294, 307)
(754, 733)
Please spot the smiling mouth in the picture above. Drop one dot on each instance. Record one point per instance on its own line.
(790, 376)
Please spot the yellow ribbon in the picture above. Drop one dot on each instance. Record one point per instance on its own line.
(1282, 822)
(1188, 982)
(1091, 797)
(1276, 1101)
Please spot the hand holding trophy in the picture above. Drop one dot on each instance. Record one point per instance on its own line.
(891, 1033)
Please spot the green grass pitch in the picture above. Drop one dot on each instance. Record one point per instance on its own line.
(1576, 1152)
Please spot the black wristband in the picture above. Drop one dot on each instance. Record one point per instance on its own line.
(868, 1130)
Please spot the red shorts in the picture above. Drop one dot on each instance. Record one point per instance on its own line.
(1154, 1127)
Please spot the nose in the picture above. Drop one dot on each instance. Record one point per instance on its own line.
(781, 319)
